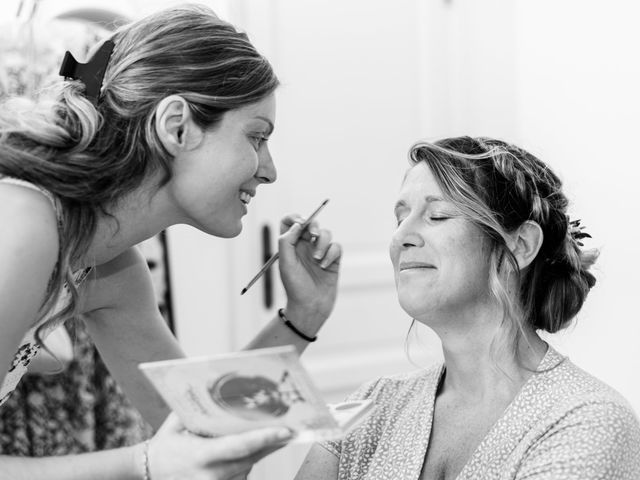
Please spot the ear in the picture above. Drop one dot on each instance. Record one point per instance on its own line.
(526, 243)
(174, 125)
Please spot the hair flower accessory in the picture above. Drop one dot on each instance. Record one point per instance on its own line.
(577, 233)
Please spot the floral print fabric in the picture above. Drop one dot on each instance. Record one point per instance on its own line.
(75, 411)
(564, 424)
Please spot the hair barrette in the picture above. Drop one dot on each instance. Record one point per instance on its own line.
(90, 73)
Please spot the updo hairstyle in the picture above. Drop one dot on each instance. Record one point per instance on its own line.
(499, 186)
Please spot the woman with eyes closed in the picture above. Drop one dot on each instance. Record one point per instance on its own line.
(174, 132)
(486, 256)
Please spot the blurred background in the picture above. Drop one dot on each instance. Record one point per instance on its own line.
(361, 81)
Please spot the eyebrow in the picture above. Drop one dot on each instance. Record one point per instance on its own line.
(428, 199)
(268, 122)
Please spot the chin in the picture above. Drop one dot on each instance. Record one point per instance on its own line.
(231, 233)
(222, 231)
(410, 306)
(415, 304)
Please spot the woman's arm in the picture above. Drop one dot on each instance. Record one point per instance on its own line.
(122, 464)
(172, 454)
(127, 328)
(319, 464)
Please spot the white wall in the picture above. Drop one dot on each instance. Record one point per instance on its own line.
(577, 106)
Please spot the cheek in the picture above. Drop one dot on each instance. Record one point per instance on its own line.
(237, 164)
(461, 261)
(249, 161)
(393, 253)
(472, 267)
(252, 165)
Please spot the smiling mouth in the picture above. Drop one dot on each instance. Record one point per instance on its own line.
(245, 197)
(416, 266)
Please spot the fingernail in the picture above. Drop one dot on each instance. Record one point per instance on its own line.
(317, 255)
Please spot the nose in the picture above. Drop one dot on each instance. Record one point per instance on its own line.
(267, 172)
(406, 236)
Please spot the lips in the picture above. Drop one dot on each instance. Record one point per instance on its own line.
(415, 266)
(245, 196)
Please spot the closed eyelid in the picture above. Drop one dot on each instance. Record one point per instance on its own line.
(270, 126)
(400, 214)
(400, 205)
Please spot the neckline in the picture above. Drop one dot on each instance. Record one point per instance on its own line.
(550, 360)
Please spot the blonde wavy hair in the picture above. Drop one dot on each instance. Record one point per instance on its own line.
(89, 157)
(498, 187)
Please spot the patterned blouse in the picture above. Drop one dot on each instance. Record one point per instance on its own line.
(564, 424)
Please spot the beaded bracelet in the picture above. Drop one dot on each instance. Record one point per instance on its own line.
(294, 329)
(145, 460)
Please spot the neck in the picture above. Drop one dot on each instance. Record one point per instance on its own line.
(480, 361)
(132, 220)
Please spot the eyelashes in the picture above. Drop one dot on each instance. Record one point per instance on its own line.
(432, 218)
(258, 140)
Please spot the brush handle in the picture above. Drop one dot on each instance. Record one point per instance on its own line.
(265, 267)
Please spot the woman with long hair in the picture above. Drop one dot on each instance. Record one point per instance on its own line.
(168, 123)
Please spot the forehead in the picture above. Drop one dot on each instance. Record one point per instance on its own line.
(419, 180)
(259, 114)
(262, 108)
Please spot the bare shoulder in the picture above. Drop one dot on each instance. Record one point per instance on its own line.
(320, 464)
(28, 254)
(31, 231)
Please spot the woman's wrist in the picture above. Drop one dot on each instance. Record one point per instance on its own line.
(305, 318)
(295, 329)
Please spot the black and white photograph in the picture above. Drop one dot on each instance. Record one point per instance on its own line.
(431, 202)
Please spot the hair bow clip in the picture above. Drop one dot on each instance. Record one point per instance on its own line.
(90, 73)
(577, 232)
